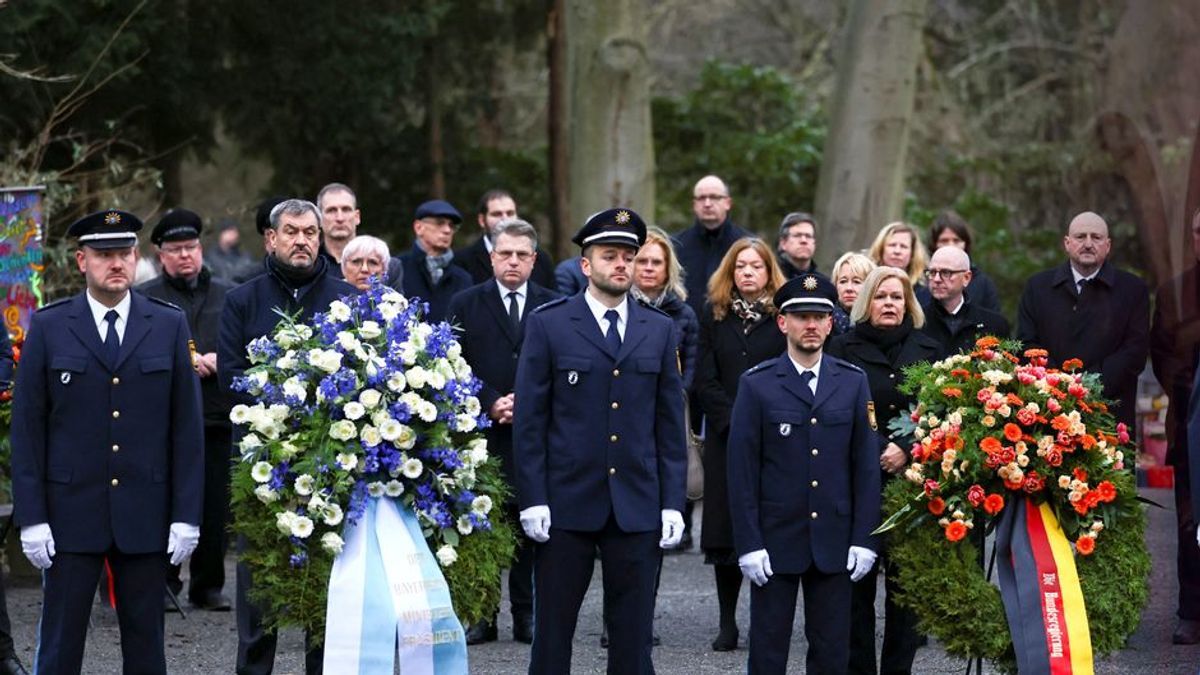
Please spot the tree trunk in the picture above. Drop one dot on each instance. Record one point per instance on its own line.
(556, 122)
(861, 186)
(437, 153)
(611, 159)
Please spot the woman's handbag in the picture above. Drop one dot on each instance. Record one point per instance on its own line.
(695, 457)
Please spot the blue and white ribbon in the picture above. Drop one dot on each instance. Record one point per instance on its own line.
(386, 590)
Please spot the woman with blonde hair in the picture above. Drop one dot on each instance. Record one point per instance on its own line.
(885, 338)
(899, 245)
(737, 331)
(849, 272)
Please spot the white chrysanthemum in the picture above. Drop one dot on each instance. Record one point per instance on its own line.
(471, 406)
(240, 414)
(375, 488)
(302, 526)
(304, 484)
(464, 423)
(412, 468)
(397, 382)
(409, 354)
(293, 386)
(417, 377)
(339, 311)
(370, 436)
(354, 410)
(411, 399)
(436, 380)
(446, 555)
(464, 525)
(343, 430)
(477, 450)
(332, 542)
(454, 351)
(427, 411)
(284, 520)
(461, 369)
(394, 488)
(388, 311)
(347, 460)
(369, 330)
(389, 428)
(261, 472)
(482, 504)
(265, 494)
(333, 514)
(370, 398)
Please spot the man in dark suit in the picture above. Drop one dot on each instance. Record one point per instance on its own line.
(702, 246)
(797, 244)
(951, 317)
(1090, 310)
(598, 443)
(340, 218)
(495, 207)
(428, 272)
(490, 318)
(803, 485)
(295, 282)
(188, 284)
(107, 451)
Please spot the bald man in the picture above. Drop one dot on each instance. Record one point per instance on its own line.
(1088, 309)
(701, 246)
(950, 316)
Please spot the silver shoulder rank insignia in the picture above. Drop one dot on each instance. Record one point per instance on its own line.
(64, 377)
(573, 377)
(785, 429)
(871, 415)
(622, 217)
(810, 283)
(112, 218)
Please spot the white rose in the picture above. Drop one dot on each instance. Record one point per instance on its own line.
(294, 387)
(333, 514)
(343, 430)
(396, 382)
(454, 351)
(370, 436)
(284, 520)
(302, 526)
(406, 439)
(370, 330)
(389, 311)
(446, 555)
(464, 525)
(339, 311)
(436, 380)
(354, 410)
(249, 444)
(332, 542)
(347, 460)
(348, 342)
(471, 406)
(417, 377)
(465, 476)
(256, 382)
(304, 484)
(265, 494)
(370, 398)
(331, 361)
(412, 468)
(287, 361)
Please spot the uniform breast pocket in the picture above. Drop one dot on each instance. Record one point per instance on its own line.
(649, 366)
(837, 417)
(155, 364)
(66, 368)
(572, 371)
(782, 424)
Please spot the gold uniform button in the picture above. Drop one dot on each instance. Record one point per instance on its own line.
(814, 483)
(613, 438)
(116, 414)
(116, 380)
(814, 452)
(813, 515)
(116, 447)
(615, 405)
(813, 421)
(612, 472)
(616, 372)
(115, 482)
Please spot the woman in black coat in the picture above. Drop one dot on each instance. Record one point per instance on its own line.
(885, 338)
(738, 331)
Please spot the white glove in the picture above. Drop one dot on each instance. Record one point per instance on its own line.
(182, 541)
(756, 566)
(672, 532)
(535, 520)
(38, 544)
(1198, 536)
(859, 561)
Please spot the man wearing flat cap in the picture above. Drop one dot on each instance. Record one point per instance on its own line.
(599, 450)
(428, 274)
(107, 451)
(803, 485)
(187, 283)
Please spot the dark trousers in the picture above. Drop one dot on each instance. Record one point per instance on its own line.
(6, 642)
(562, 572)
(900, 637)
(69, 586)
(207, 564)
(1187, 556)
(256, 646)
(520, 575)
(826, 622)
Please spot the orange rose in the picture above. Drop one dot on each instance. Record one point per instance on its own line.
(937, 506)
(1012, 432)
(1085, 545)
(990, 445)
(993, 504)
(956, 530)
(1106, 491)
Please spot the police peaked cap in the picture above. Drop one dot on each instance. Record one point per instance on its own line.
(177, 225)
(806, 293)
(106, 229)
(620, 227)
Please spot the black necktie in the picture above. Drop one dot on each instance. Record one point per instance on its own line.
(514, 314)
(1081, 284)
(612, 337)
(112, 344)
(806, 391)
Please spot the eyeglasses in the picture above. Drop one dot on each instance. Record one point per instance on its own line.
(182, 249)
(709, 198)
(519, 255)
(363, 263)
(943, 274)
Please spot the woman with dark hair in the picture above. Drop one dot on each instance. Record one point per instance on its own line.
(885, 338)
(737, 331)
(949, 229)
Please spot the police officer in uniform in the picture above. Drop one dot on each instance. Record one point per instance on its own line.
(188, 283)
(108, 450)
(803, 485)
(599, 448)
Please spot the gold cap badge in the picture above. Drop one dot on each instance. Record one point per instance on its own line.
(112, 218)
(622, 217)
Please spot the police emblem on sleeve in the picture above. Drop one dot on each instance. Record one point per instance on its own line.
(871, 415)
(785, 429)
(573, 377)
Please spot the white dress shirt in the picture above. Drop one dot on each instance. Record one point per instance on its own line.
(598, 310)
(99, 310)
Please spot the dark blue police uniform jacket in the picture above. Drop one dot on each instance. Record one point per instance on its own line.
(596, 435)
(803, 479)
(107, 456)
